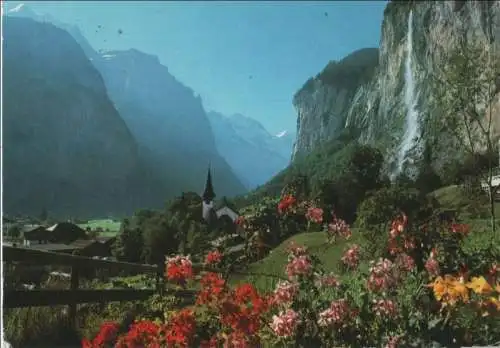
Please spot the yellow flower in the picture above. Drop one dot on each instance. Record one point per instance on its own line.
(479, 285)
(449, 290)
(497, 288)
(439, 288)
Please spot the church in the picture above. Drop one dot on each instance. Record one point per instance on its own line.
(211, 213)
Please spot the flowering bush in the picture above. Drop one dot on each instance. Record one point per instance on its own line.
(423, 290)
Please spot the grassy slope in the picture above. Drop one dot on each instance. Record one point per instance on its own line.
(111, 225)
(449, 197)
(274, 263)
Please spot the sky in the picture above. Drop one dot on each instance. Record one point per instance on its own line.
(240, 57)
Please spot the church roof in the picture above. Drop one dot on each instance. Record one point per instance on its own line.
(209, 193)
(227, 211)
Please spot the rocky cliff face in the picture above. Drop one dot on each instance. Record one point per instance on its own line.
(66, 148)
(254, 154)
(376, 104)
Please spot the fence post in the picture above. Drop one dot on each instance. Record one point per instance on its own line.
(159, 279)
(75, 282)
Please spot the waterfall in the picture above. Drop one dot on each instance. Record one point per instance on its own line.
(410, 99)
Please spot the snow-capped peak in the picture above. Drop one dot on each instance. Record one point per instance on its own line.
(16, 9)
(281, 134)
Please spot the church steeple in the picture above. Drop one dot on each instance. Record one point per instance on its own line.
(209, 194)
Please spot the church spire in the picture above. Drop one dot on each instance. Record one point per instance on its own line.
(209, 194)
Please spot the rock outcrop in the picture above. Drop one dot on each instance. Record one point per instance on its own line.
(375, 105)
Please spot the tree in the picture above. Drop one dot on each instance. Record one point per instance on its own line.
(159, 237)
(129, 244)
(14, 231)
(466, 90)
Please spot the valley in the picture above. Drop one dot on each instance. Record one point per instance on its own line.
(137, 215)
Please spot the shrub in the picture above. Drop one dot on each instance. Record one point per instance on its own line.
(424, 290)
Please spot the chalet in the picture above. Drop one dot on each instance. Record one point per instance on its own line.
(66, 232)
(52, 247)
(35, 234)
(90, 248)
(106, 240)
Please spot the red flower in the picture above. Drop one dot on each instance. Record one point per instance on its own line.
(179, 269)
(141, 334)
(286, 203)
(212, 287)
(181, 329)
(106, 336)
(213, 257)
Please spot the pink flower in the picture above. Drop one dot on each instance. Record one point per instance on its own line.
(385, 308)
(297, 266)
(432, 266)
(351, 256)
(382, 275)
(285, 292)
(339, 227)
(315, 215)
(296, 250)
(285, 323)
(393, 342)
(338, 313)
(405, 262)
(398, 225)
(327, 281)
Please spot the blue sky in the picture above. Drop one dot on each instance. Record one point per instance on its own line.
(240, 57)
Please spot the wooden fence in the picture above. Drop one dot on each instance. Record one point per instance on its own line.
(74, 295)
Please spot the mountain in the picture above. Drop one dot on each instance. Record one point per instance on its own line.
(174, 138)
(168, 121)
(254, 154)
(373, 91)
(65, 147)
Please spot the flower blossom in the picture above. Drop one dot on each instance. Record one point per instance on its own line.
(108, 333)
(405, 262)
(298, 266)
(382, 276)
(432, 264)
(296, 250)
(339, 227)
(398, 225)
(143, 333)
(384, 308)
(338, 313)
(178, 269)
(285, 323)
(181, 329)
(315, 215)
(213, 257)
(285, 292)
(351, 256)
(449, 290)
(328, 280)
(393, 342)
(286, 203)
